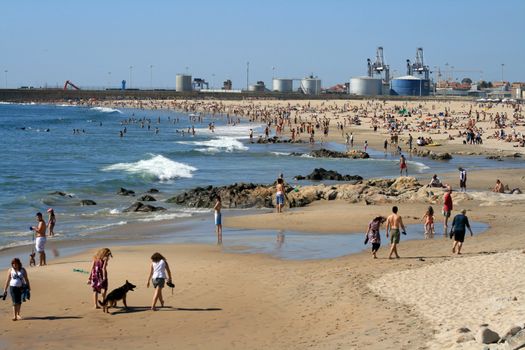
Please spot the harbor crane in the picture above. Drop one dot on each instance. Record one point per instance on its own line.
(419, 66)
(379, 66)
(69, 83)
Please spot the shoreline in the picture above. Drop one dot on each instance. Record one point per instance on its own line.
(227, 300)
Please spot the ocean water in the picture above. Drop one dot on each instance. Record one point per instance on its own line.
(42, 155)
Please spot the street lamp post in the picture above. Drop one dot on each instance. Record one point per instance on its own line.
(273, 73)
(151, 77)
(247, 74)
(130, 76)
(502, 66)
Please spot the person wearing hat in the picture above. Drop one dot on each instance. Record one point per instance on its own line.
(462, 179)
(458, 231)
(51, 221)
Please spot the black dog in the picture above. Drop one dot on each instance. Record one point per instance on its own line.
(115, 295)
(32, 259)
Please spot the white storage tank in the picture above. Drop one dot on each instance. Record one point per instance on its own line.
(282, 85)
(183, 83)
(311, 86)
(366, 86)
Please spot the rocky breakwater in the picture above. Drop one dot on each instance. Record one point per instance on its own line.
(263, 196)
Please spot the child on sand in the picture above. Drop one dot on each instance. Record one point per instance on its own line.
(429, 222)
(372, 234)
(158, 276)
(98, 277)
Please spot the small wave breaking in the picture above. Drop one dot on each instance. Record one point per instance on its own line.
(223, 143)
(105, 110)
(157, 166)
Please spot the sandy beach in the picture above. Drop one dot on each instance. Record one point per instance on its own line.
(250, 301)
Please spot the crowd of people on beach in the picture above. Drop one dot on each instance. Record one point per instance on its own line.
(309, 122)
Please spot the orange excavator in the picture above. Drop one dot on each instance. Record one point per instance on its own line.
(70, 84)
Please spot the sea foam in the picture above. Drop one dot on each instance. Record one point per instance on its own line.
(157, 166)
(223, 143)
(105, 110)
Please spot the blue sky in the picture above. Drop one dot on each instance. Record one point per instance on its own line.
(93, 43)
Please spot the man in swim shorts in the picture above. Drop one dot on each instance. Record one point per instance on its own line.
(279, 195)
(393, 223)
(40, 238)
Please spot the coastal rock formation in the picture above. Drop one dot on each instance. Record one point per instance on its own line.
(326, 153)
(87, 202)
(276, 139)
(321, 174)
(125, 192)
(241, 195)
(432, 155)
(147, 198)
(152, 190)
(146, 208)
(263, 196)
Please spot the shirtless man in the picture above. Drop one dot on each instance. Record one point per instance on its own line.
(393, 223)
(218, 219)
(279, 196)
(40, 241)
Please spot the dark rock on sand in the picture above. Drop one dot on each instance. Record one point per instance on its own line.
(486, 335)
(125, 192)
(152, 190)
(87, 202)
(147, 198)
(321, 174)
(140, 207)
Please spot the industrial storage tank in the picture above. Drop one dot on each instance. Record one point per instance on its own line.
(366, 86)
(259, 87)
(410, 85)
(282, 85)
(183, 83)
(311, 86)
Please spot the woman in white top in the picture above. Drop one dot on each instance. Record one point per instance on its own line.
(17, 280)
(157, 276)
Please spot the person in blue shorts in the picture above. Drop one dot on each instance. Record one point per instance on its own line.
(279, 195)
(218, 219)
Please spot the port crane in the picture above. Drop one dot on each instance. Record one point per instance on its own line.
(418, 66)
(69, 83)
(379, 66)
